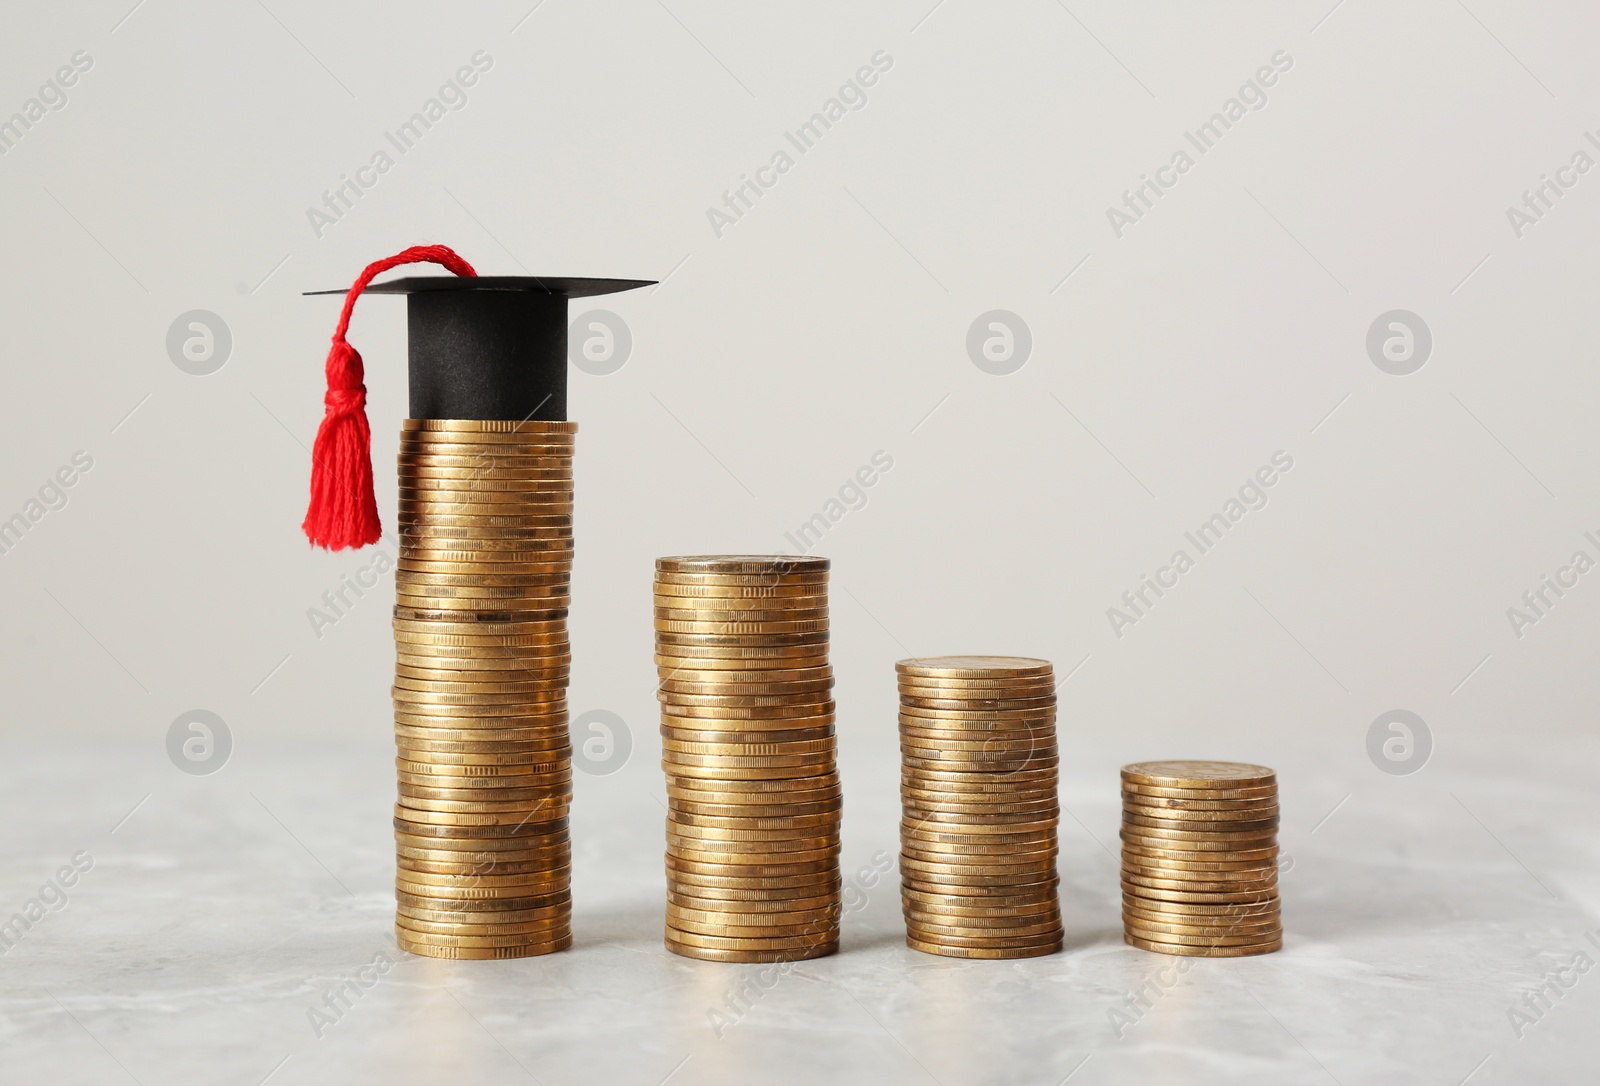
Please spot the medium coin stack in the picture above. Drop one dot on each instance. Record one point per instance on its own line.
(748, 747)
(485, 764)
(978, 806)
(1200, 858)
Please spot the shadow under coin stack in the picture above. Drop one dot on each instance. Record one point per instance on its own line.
(485, 766)
(1200, 858)
(978, 806)
(748, 747)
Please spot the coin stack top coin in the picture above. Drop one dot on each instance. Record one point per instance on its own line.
(978, 806)
(748, 747)
(1200, 858)
(485, 768)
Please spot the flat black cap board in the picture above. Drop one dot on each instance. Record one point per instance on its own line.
(480, 347)
(490, 347)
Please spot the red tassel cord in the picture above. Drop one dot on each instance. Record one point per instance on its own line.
(344, 510)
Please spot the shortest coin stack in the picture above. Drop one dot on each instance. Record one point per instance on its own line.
(978, 806)
(1200, 858)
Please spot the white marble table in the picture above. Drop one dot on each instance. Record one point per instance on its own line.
(220, 911)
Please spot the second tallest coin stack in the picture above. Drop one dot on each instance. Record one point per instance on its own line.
(747, 743)
(485, 764)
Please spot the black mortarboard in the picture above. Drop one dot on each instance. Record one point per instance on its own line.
(480, 347)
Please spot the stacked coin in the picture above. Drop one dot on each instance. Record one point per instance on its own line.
(485, 766)
(1200, 858)
(978, 806)
(748, 747)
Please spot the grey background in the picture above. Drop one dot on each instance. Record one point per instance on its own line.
(829, 323)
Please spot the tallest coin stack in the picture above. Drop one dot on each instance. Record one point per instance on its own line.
(747, 743)
(485, 765)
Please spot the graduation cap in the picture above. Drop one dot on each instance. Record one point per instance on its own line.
(480, 347)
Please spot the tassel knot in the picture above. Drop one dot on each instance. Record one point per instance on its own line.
(343, 510)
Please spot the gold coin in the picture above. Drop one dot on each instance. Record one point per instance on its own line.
(739, 657)
(822, 788)
(476, 869)
(1198, 774)
(487, 441)
(1174, 926)
(490, 471)
(985, 930)
(941, 747)
(726, 856)
(744, 580)
(489, 426)
(669, 642)
(460, 579)
(694, 674)
(449, 765)
(931, 687)
(510, 894)
(1201, 860)
(993, 764)
(1202, 952)
(806, 690)
(519, 738)
(709, 954)
(540, 752)
(1158, 794)
(536, 836)
(686, 875)
(461, 953)
(468, 631)
(823, 707)
(755, 607)
(487, 861)
(1243, 827)
(810, 701)
(717, 920)
(480, 819)
(1200, 885)
(421, 585)
(474, 941)
(976, 719)
(701, 589)
(504, 918)
(822, 744)
(535, 784)
(795, 609)
(1241, 897)
(1252, 837)
(523, 931)
(782, 565)
(820, 929)
(940, 809)
(529, 774)
(990, 953)
(1203, 939)
(1039, 916)
(1046, 939)
(1185, 868)
(978, 705)
(533, 492)
(452, 882)
(550, 564)
(753, 838)
(481, 910)
(976, 832)
(729, 843)
(714, 942)
(1171, 803)
(973, 667)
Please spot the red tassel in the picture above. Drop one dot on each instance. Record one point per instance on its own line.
(344, 510)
